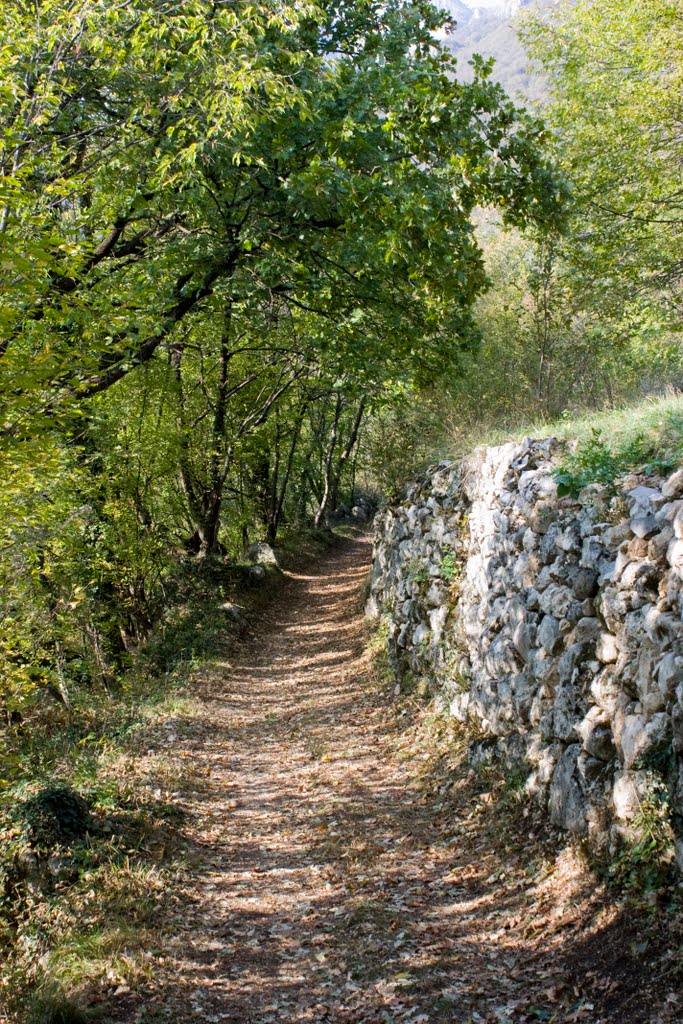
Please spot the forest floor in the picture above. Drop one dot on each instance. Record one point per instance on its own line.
(342, 864)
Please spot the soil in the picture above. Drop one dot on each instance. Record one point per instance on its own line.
(339, 870)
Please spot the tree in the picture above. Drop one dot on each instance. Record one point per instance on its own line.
(147, 194)
(223, 229)
(615, 75)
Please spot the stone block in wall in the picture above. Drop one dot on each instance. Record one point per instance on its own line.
(596, 735)
(673, 486)
(638, 736)
(607, 648)
(567, 803)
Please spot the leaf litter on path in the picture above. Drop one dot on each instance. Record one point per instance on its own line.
(348, 868)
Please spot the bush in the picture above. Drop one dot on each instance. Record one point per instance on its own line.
(56, 815)
(595, 462)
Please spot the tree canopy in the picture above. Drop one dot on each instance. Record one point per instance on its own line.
(229, 231)
(615, 78)
(160, 162)
(591, 314)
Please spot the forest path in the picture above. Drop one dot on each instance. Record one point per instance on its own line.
(327, 885)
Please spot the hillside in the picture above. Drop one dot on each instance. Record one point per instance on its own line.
(491, 32)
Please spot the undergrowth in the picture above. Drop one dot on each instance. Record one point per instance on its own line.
(595, 461)
(91, 838)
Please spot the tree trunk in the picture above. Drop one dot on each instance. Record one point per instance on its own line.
(346, 454)
(280, 495)
(329, 461)
(213, 495)
(205, 497)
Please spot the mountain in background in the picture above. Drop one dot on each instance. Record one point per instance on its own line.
(488, 28)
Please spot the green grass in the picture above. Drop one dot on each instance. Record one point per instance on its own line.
(656, 420)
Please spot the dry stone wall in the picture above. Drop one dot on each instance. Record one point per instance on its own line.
(553, 626)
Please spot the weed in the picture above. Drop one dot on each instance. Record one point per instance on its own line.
(451, 567)
(57, 814)
(659, 759)
(445, 1004)
(515, 778)
(423, 689)
(592, 463)
(379, 636)
(370, 911)
(49, 1005)
(597, 462)
(643, 863)
(418, 572)
(460, 683)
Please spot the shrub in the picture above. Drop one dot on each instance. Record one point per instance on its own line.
(595, 462)
(57, 814)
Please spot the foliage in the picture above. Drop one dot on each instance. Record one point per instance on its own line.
(194, 202)
(418, 572)
(591, 316)
(614, 73)
(545, 347)
(451, 566)
(56, 814)
(229, 241)
(644, 863)
(595, 462)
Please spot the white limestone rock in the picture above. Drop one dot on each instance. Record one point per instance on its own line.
(549, 634)
(644, 500)
(673, 486)
(638, 736)
(606, 648)
(567, 803)
(587, 630)
(569, 627)
(626, 794)
(555, 600)
(596, 734)
(674, 553)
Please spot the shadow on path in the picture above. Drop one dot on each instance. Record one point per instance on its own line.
(325, 885)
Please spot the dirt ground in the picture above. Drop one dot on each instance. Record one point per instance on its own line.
(338, 873)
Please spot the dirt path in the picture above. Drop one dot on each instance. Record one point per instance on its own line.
(327, 885)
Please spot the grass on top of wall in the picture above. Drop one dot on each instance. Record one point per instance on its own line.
(655, 425)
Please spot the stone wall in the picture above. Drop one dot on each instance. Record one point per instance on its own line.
(553, 626)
